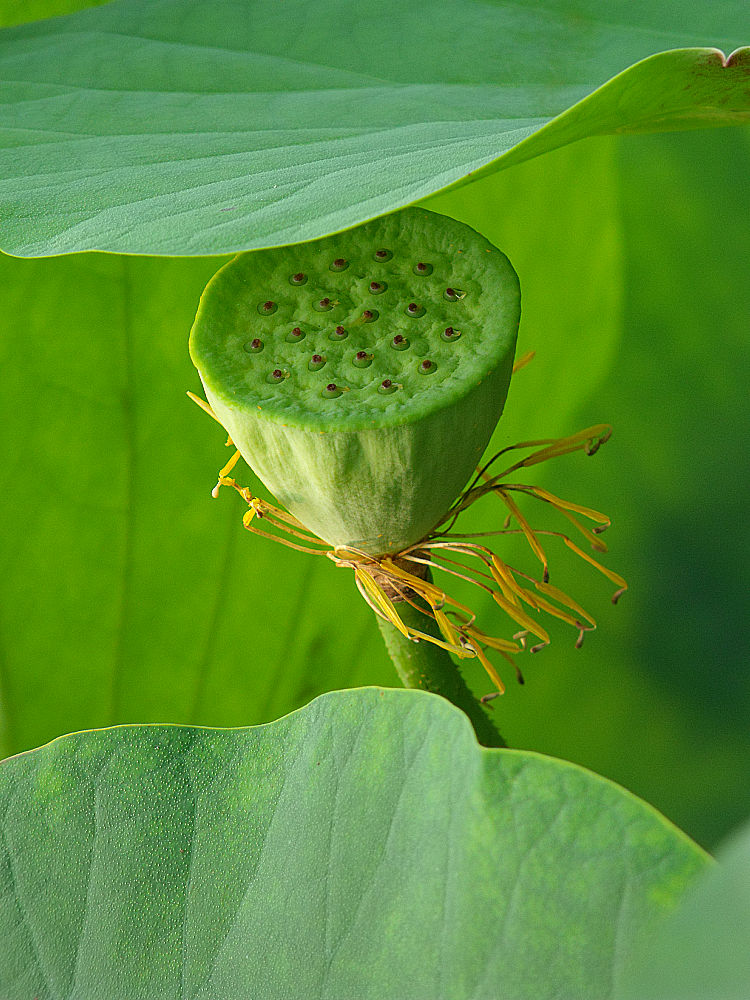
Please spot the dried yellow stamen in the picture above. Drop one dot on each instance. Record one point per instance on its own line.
(204, 406)
(486, 663)
(385, 581)
(523, 361)
(610, 574)
(531, 538)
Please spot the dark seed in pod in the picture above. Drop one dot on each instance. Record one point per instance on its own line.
(399, 342)
(316, 362)
(340, 264)
(414, 310)
(296, 332)
(331, 387)
(276, 376)
(422, 268)
(453, 294)
(267, 308)
(254, 346)
(369, 315)
(324, 303)
(450, 334)
(295, 335)
(277, 373)
(298, 279)
(317, 358)
(427, 367)
(382, 254)
(331, 390)
(339, 333)
(362, 359)
(386, 387)
(376, 287)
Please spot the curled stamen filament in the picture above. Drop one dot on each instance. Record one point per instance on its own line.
(385, 581)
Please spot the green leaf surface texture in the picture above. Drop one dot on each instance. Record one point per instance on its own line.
(362, 847)
(180, 127)
(700, 952)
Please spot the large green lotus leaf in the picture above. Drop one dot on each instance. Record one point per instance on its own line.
(180, 127)
(701, 951)
(363, 847)
(126, 593)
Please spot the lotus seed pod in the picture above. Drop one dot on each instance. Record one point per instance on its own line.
(371, 448)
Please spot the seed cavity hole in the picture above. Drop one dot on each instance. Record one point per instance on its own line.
(387, 387)
(276, 376)
(267, 308)
(340, 264)
(399, 342)
(377, 287)
(383, 255)
(450, 334)
(454, 294)
(362, 359)
(324, 305)
(422, 269)
(316, 362)
(369, 316)
(340, 333)
(331, 391)
(298, 279)
(427, 367)
(254, 346)
(295, 335)
(415, 310)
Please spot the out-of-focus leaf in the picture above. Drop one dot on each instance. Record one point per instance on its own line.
(659, 697)
(126, 593)
(180, 127)
(22, 11)
(363, 847)
(701, 951)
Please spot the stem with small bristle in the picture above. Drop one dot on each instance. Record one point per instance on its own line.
(427, 667)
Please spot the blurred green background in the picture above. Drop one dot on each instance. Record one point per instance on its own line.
(659, 697)
(128, 595)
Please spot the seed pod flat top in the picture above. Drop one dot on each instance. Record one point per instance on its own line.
(374, 327)
(361, 375)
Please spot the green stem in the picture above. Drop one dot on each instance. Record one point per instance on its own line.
(426, 666)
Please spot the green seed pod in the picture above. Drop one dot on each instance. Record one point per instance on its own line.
(371, 449)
